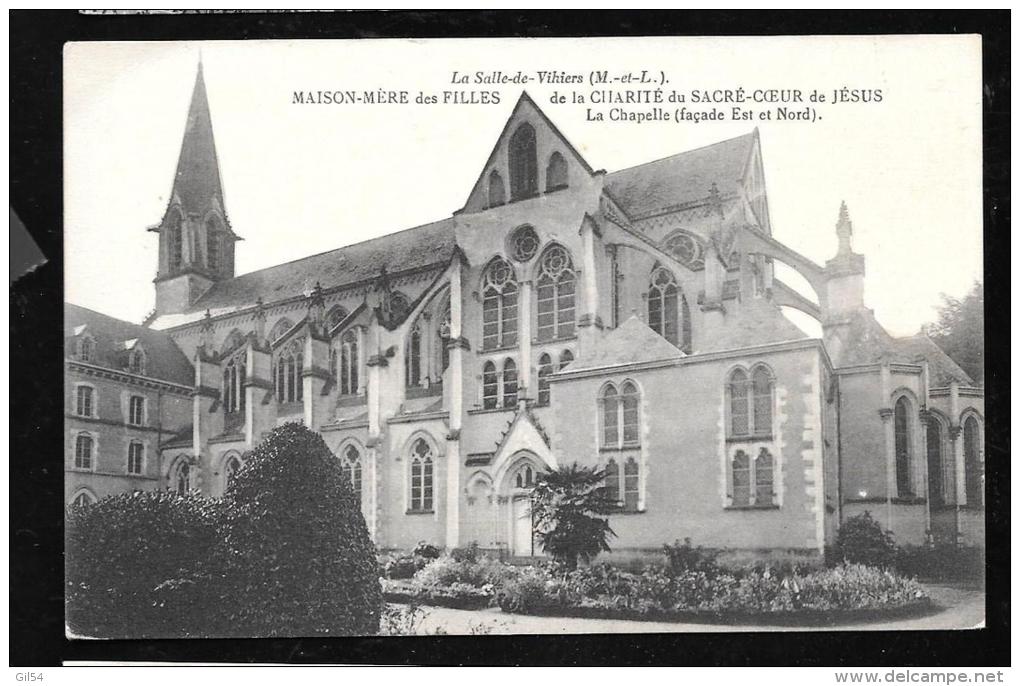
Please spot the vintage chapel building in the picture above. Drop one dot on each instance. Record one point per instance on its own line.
(629, 320)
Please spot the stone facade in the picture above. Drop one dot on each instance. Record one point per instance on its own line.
(629, 320)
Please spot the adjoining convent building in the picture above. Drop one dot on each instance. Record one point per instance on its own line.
(629, 320)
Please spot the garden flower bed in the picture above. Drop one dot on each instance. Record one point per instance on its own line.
(839, 594)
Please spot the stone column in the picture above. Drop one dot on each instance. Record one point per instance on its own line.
(524, 334)
(886, 413)
(457, 345)
(589, 323)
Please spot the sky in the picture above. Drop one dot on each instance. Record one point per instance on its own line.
(303, 179)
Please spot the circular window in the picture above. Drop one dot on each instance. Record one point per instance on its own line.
(686, 249)
(523, 244)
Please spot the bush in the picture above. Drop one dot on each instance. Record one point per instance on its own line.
(524, 591)
(466, 554)
(862, 540)
(403, 566)
(426, 550)
(447, 570)
(141, 565)
(682, 558)
(301, 560)
(856, 587)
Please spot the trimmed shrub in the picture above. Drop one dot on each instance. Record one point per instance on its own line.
(862, 540)
(683, 557)
(403, 566)
(301, 561)
(143, 565)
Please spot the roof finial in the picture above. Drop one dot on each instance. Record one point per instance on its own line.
(844, 230)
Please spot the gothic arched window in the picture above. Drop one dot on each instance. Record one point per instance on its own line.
(685, 324)
(662, 305)
(279, 328)
(349, 363)
(175, 242)
(556, 173)
(335, 315)
(413, 359)
(524, 243)
(901, 431)
(351, 465)
(212, 245)
(763, 478)
(525, 477)
(738, 392)
(630, 414)
(523, 163)
(509, 383)
(545, 369)
(289, 366)
(422, 465)
(612, 479)
(136, 361)
(610, 411)
(233, 385)
(230, 469)
(974, 475)
(490, 386)
(83, 445)
(443, 333)
(936, 477)
(761, 387)
(497, 193)
(499, 305)
(83, 499)
(181, 480)
(566, 357)
(741, 479)
(555, 294)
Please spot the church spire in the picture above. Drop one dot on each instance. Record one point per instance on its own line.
(197, 181)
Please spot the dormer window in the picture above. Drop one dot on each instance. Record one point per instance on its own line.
(136, 361)
(523, 163)
(87, 349)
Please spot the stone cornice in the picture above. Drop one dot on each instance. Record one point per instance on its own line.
(127, 377)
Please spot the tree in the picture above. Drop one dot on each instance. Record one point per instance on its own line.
(301, 560)
(569, 505)
(960, 330)
(862, 540)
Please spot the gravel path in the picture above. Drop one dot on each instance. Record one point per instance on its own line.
(963, 608)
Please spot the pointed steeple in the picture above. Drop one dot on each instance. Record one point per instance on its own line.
(197, 181)
(844, 230)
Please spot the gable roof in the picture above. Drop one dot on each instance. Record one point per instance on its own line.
(420, 247)
(759, 322)
(163, 359)
(681, 179)
(629, 343)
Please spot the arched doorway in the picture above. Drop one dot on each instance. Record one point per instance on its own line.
(517, 484)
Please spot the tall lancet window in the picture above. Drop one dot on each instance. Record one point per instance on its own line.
(499, 305)
(662, 305)
(175, 242)
(212, 245)
(523, 163)
(556, 294)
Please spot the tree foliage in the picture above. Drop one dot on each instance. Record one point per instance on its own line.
(862, 540)
(301, 559)
(960, 330)
(569, 506)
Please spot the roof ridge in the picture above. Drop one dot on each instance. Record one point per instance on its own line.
(684, 152)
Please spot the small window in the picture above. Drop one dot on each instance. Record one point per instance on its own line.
(175, 241)
(136, 410)
(631, 485)
(233, 385)
(351, 465)
(523, 243)
(497, 193)
(741, 479)
(566, 357)
(631, 414)
(212, 248)
(421, 476)
(83, 446)
(83, 499)
(180, 481)
(335, 315)
(289, 369)
(739, 420)
(763, 490)
(85, 396)
(499, 305)
(413, 358)
(556, 173)
(490, 386)
(610, 417)
(621, 416)
(87, 349)
(230, 469)
(523, 163)
(525, 477)
(545, 369)
(612, 480)
(349, 363)
(509, 383)
(761, 386)
(136, 361)
(136, 457)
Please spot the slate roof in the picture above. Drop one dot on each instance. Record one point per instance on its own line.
(197, 180)
(421, 246)
(681, 179)
(163, 359)
(759, 323)
(869, 343)
(628, 343)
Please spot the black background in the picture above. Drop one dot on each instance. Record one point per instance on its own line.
(36, 507)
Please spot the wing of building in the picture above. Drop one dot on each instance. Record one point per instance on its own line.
(630, 320)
